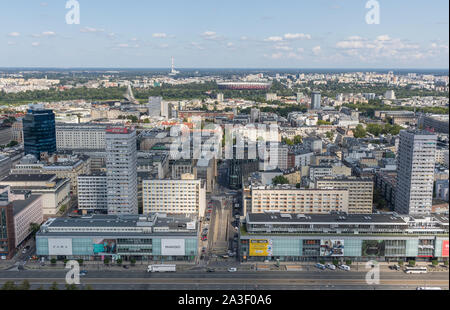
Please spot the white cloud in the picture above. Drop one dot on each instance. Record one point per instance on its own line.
(14, 34)
(283, 48)
(211, 35)
(35, 44)
(160, 35)
(316, 50)
(273, 39)
(384, 37)
(244, 38)
(294, 36)
(91, 30)
(48, 33)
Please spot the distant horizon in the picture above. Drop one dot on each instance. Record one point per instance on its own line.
(227, 68)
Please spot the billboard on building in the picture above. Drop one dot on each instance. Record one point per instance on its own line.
(105, 246)
(373, 248)
(331, 247)
(172, 247)
(61, 247)
(445, 248)
(261, 247)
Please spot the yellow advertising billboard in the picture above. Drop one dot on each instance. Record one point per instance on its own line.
(260, 247)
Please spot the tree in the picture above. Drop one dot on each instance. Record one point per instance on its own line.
(80, 262)
(348, 262)
(71, 287)
(25, 286)
(280, 180)
(412, 263)
(359, 132)
(12, 143)
(53, 261)
(298, 140)
(322, 122)
(34, 228)
(9, 286)
(434, 262)
(54, 286)
(400, 262)
(119, 261)
(133, 261)
(106, 261)
(330, 135)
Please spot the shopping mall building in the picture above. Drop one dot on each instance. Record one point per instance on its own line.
(155, 237)
(341, 236)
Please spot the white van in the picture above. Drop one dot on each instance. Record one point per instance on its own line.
(344, 267)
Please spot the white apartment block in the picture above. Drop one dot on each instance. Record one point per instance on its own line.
(360, 192)
(174, 196)
(26, 212)
(93, 193)
(415, 172)
(121, 166)
(80, 136)
(288, 199)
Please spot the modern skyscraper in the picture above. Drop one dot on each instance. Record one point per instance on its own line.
(316, 98)
(154, 106)
(121, 173)
(415, 172)
(39, 132)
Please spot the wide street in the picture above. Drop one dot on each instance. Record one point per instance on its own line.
(242, 280)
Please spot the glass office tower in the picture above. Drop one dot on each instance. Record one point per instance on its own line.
(39, 132)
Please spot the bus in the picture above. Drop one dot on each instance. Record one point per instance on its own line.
(416, 270)
(428, 288)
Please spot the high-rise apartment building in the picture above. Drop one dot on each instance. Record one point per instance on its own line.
(415, 171)
(39, 131)
(154, 106)
(121, 166)
(316, 98)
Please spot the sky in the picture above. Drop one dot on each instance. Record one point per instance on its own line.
(225, 34)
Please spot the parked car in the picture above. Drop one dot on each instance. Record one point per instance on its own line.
(232, 269)
(330, 266)
(211, 270)
(394, 267)
(83, 273)
(344, 267)
(320, 266)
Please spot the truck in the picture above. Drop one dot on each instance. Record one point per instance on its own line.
(162, 268)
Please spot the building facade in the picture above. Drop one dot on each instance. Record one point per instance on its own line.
(93, 193)
(342, 237)
(156, 237)
(360, 192)
(39, 132)
(80, 136)
(415, 170)
(185, 196)
(121, 167)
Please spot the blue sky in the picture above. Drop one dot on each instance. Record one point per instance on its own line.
(224, 34)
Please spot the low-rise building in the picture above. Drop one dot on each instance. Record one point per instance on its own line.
(184, 196)
(360, 192)
(357, 237)
(153, 237)
(55, 191)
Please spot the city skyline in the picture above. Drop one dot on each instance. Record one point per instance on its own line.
(409, 35)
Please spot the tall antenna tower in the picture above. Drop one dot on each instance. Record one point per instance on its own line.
(173, 71)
